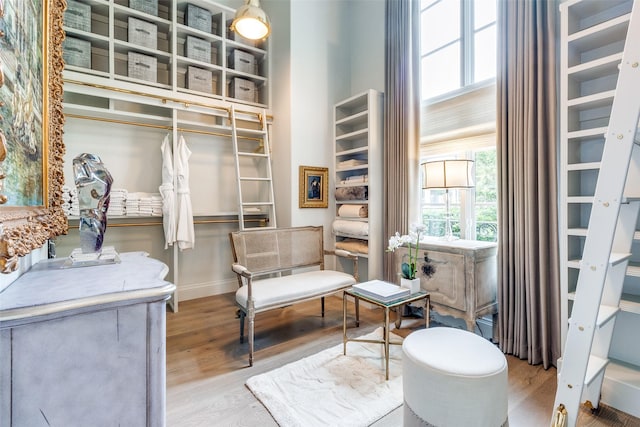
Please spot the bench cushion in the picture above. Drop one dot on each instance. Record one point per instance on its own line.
(272, 292)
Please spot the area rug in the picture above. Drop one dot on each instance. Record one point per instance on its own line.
(330, 389)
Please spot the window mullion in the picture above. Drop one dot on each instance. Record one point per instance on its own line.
(467, 38)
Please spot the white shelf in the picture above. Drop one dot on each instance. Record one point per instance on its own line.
(358, 136)
(583, 166)
(593, 34)
(621, 386)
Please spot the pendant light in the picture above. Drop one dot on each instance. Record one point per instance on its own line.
(251, 22)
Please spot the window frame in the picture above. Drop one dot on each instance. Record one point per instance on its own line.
(467, 51)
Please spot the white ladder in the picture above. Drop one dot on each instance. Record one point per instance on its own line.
(252, 155)
(607, 247)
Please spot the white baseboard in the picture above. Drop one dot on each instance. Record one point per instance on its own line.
(189, 291)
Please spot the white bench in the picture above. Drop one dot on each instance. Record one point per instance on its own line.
(282, 266)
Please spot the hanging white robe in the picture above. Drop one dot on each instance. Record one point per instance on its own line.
(167, 192)
(185, 235)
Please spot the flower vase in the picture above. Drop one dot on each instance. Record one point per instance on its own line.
(412, 284)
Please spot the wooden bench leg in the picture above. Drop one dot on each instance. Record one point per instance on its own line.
(322, 305)
(357, 303)
(251, 331)
(242, 316)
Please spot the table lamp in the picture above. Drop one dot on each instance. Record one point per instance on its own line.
(447, 174)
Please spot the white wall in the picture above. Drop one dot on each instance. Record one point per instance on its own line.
(322, 52)
(367, 38)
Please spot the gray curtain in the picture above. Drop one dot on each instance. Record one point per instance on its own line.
(528, 266)
(401, 123)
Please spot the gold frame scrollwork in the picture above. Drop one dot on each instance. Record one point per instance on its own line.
(23, 229)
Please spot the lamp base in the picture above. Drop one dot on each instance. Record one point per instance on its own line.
(449, 238)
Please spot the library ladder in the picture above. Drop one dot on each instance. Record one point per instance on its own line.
(607, 246)
(252, 156)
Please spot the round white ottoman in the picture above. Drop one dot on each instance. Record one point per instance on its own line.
(453, 378)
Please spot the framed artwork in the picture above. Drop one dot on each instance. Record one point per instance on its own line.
(314, 187)
(31, 122)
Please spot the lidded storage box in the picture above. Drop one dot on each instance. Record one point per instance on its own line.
(243, 89)
(146, 6)
(143, 33)
(78, 16)
(243, 61)
(198, 18)
(199, 79)
(143, 67)
(198, 49)
(76, 52)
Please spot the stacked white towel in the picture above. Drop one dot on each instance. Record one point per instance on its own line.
(351, 163)
(355, 179)
(70, 204)
(133, 204)
(156, 204)
(144, 207)
(117, 202)
(144, 204)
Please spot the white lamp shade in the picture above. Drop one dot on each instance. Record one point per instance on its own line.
(251, 22)
(448, 174)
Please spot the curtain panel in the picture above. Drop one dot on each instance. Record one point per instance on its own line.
(401, 123)
(528, 260)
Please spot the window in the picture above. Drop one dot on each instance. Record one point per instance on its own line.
(458, 68)
(457, 44)
(473, 212)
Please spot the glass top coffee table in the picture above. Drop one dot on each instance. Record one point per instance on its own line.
(387, 306)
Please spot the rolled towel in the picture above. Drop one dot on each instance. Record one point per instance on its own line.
(356, 228)
(353, 211)
(352, 193)
(354, 246)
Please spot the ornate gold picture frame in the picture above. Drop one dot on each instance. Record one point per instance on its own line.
(32, 131)
(314, 186)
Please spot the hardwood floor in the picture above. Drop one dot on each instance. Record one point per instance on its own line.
(207, 366)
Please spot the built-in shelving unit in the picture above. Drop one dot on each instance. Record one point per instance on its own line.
(124, 120)
(592, 41)
(111, 45)
(358, 181)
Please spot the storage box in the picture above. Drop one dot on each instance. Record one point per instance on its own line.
(77, 52)
(243, 89)
(199, 79)
(143, 67)
(243, 61)
(198, 18)
(143, 33)
(146, 6)
(78, 16)
(198, 49)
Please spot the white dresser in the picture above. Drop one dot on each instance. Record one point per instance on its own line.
(85, 346)
(460, 276)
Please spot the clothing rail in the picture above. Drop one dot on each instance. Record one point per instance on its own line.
(149, 125)
(195, 221)
(164, 99)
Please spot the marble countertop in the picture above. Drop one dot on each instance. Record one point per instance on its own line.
(48, 287)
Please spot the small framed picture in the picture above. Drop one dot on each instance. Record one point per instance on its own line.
(314, 187)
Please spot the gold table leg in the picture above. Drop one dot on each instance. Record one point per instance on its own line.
(344, 323)
(386, 341)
